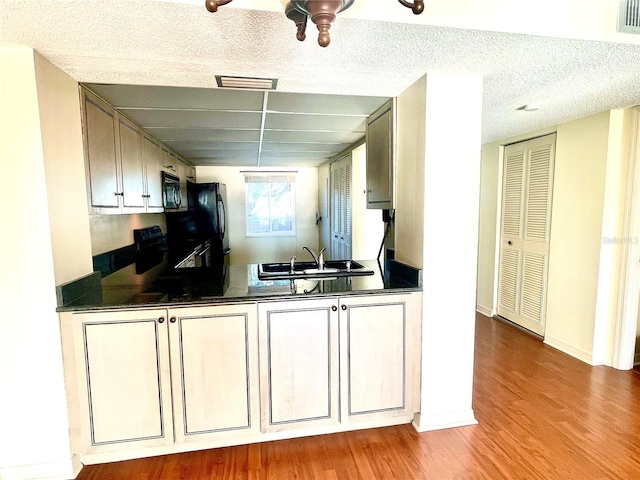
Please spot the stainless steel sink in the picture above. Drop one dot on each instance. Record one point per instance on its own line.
(332, 268)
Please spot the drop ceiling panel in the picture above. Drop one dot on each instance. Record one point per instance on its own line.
(310, 136)
(143, 96)
(327, 123)
(303, 147)
(290, 162)
(237, 161)
(330, 104)
(184, 138)
(239, 156)
(318, 155)
(194, 119)
(226, 148)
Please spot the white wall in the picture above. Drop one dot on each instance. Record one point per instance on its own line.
(59, 107)
(611, 248)
(324, 172)
(439, 128)
(246, 250)
(34, 441)
(366, 224)
(490, 192)
(410, 180)
(109, 232)
(587, 218)
(576, 227)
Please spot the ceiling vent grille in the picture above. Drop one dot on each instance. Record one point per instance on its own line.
(253, 83)
(629, 17)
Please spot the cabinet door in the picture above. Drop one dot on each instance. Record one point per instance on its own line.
(152, 154)
(182, 175)
(100, 152)
(169, 162)
(380, 158)
(214, 360)
(124, 380)
(375, 350)
(131, 165)
(298, 364)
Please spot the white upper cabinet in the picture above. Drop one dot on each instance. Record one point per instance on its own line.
(123, 162)
(152, 157)
(133, 188)
(381, 157)
(100, 152)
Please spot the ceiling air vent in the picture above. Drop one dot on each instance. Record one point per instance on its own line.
(629, 17)
(252, 83)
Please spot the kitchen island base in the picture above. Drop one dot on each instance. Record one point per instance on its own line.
(144, 382)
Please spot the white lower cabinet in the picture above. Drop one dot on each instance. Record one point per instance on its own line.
(195, 377)
(133, 375)
(299, 364)
(214, 363)
(377, 337)
(340, 359)
(123, 380)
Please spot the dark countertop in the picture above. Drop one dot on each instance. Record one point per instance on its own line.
(159, 285)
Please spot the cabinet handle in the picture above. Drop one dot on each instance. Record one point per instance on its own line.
(121, 194)
(172, 319)
(161, 320)
(334, 308)
(344, 307)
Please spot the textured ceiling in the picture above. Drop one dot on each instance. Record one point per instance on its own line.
(177, 44)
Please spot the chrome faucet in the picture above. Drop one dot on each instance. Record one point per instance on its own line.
(319, 259)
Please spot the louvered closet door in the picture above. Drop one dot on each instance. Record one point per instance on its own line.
(341, 208)
(526, 215)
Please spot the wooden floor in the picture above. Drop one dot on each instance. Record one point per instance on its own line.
(542, 414)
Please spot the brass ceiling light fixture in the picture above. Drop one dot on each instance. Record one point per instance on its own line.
(322, 13)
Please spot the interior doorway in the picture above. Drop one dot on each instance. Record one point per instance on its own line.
(524, 232)
(627, 329)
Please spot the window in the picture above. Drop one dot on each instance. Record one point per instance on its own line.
(271, 201)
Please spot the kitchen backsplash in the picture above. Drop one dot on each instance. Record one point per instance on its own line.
(110, 232)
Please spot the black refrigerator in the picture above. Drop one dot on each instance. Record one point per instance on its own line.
(205, 222)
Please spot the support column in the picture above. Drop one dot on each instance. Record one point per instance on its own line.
(452, 149)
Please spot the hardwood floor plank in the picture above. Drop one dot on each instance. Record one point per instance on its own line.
(542, 415)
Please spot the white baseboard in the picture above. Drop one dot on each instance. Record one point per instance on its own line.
(487, 312)
(77, 465)
(569, 349)
(440, 421)
(41, 471)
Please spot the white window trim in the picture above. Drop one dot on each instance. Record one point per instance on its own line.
(256, 177)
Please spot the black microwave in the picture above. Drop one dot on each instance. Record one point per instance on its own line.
(171, 194)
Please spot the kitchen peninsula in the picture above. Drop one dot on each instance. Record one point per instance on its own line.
(171, 360)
